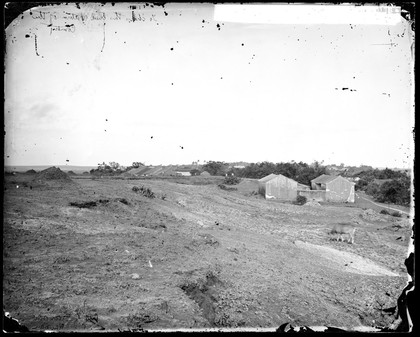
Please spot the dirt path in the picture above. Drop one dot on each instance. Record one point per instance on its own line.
(383, 205)
(346, 261)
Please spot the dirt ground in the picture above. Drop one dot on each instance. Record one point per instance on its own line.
(96, 255)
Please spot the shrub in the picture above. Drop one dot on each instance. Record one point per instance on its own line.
(397, 214)
(147, 192)
(384, 211)
(231, 180)
(123, 200)
(300, 200)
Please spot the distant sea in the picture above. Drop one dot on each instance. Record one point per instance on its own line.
(65, 168)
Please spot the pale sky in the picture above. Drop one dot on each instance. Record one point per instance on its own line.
(222, 89)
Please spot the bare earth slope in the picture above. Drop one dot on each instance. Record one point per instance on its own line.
(97, 255)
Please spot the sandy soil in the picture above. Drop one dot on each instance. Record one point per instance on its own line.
(193, 256)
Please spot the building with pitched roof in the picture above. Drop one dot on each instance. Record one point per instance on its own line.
(323, 188)
(330, 188)
(320, 182)
(277, 186)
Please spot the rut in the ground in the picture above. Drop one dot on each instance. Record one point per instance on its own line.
(203, 293)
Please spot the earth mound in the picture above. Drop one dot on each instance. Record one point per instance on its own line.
(52, 176)
(31, 171)
(71, 173)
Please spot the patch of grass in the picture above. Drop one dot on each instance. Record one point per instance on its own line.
(396, 214)
(384, 211)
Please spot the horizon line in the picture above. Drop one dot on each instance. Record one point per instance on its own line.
(201, 164)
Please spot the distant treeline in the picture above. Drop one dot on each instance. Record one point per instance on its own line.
(301, 172)
(396, 190)
(110, 169)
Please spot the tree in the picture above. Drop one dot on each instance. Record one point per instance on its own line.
(114, 165)
(107, 169)
(195, 172)
(310, 172)
(215, 168)
(136, 164)
(395, 191)
(257, 170)
(372, 189)
(301, 172)
(361, 185)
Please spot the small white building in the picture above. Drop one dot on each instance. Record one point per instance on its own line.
(184, 173)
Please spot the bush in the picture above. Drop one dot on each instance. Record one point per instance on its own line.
(397, 214)
(147, 192)
(123, 200)
(195, 172)
(231, 180)
(300, 200)
(384, 211)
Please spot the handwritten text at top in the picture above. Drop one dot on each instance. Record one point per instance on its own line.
(133, 16)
